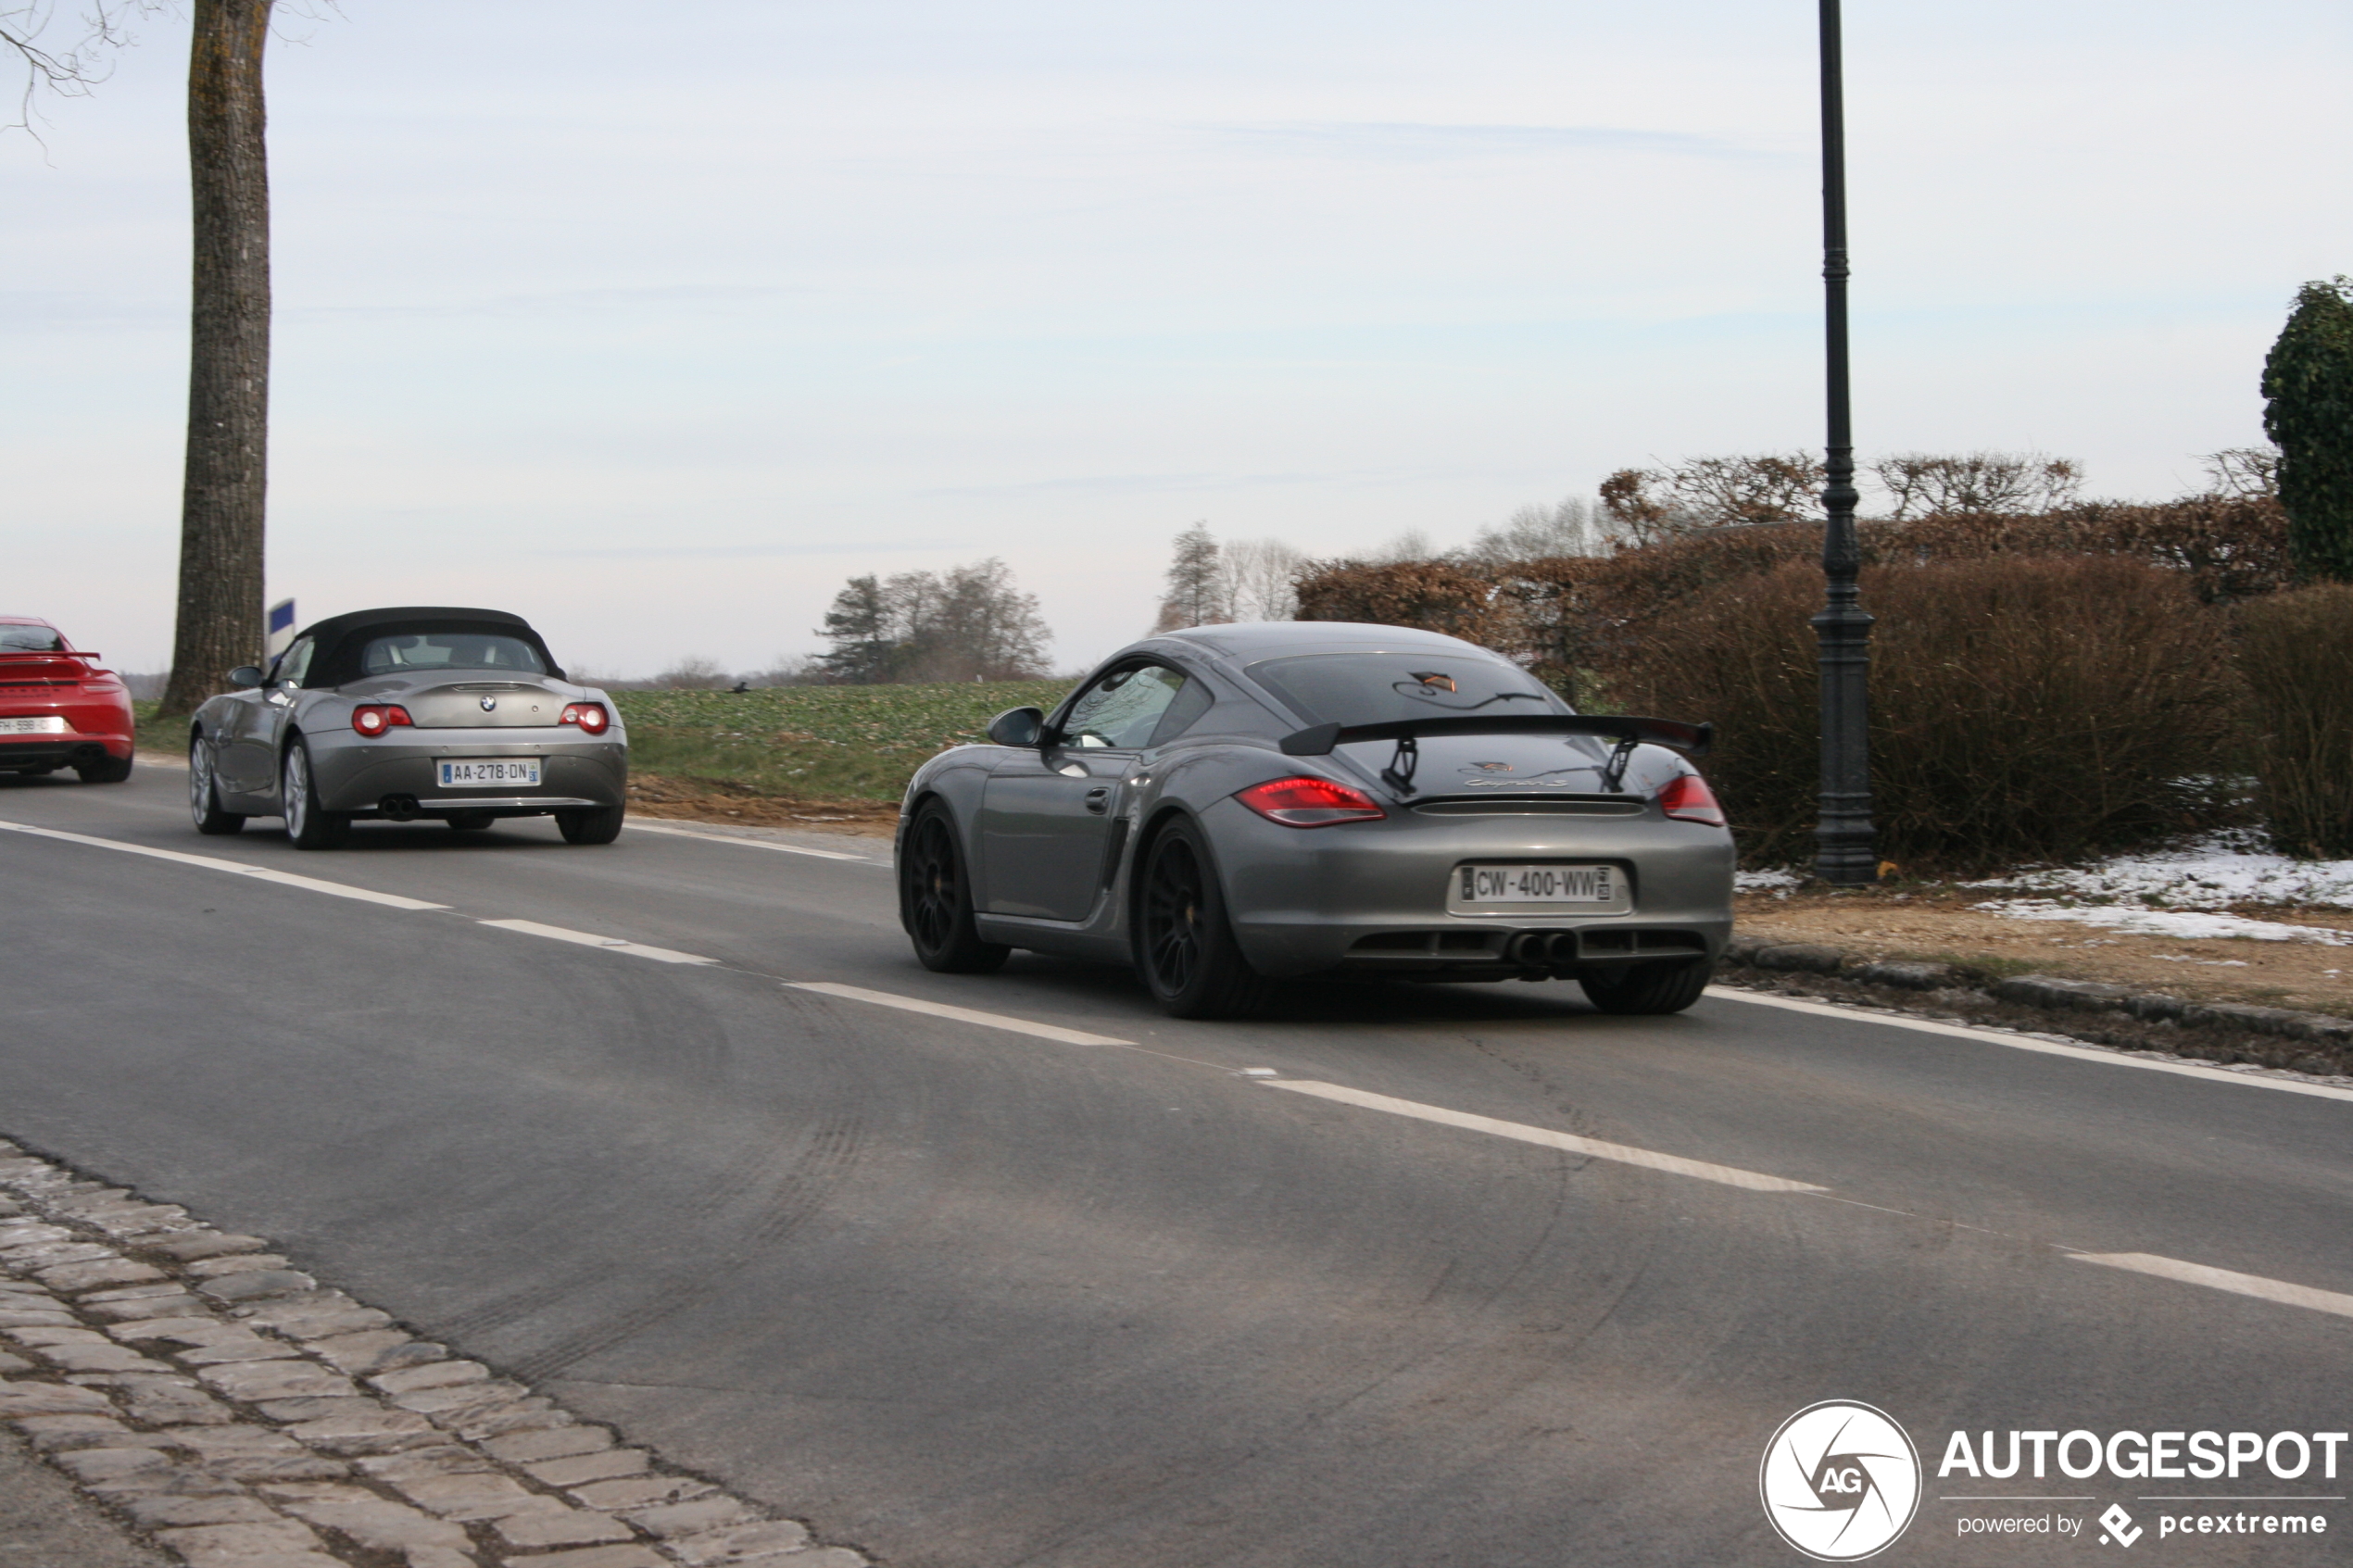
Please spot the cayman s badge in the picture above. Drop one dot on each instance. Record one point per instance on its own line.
(490, 705)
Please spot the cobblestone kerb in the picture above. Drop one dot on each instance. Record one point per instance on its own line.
(230, 1409)
(2280, 1039)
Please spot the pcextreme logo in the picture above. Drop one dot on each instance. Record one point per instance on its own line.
(1840, 1481)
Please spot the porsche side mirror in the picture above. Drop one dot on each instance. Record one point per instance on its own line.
(1018, 726)
(245, 677)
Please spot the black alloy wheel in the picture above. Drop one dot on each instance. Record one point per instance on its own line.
(307, 823)
(1187, 950)
(935, 900)
(1645, 988)
(204, 794)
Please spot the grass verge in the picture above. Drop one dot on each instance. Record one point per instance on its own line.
(814, 743)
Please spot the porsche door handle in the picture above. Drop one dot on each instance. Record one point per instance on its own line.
(1099, 799)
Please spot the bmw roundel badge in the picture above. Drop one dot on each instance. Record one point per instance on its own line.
(489, 703)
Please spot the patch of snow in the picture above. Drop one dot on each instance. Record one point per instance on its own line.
(1757, 882)
(2188, 925)
(2212, 873)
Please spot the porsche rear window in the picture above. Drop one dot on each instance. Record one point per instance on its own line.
(404, 651)
(1374, 688)
(30, 639)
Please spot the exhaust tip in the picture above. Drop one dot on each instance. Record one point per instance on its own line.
(1526, 949)
(398, 808)
(1561, 948)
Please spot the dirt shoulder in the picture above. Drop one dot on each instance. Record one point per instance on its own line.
(695, 800)
(1940, 925)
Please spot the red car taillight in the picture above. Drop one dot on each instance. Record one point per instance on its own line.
(1305, 802)
(1688, 797)
(375, 717)
(590, 716)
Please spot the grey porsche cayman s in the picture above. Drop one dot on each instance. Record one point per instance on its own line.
(1227, 807)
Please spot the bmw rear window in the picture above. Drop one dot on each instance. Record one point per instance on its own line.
(403, 651)
(1376, 688)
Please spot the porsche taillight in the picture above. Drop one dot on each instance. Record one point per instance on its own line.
(590, 716)
(1308, 802)
(1688, 798)
(375, 717)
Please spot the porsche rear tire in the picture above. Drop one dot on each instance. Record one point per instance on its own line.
(1186, 947)
(204, 794)
(307, 824)
(1648, 988)
(935, 900)
(114, 769)
(601, 825)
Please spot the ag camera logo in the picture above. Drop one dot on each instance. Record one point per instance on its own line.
(1840, 1481)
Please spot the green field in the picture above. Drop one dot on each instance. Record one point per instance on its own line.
(807, 743)
(816, 743)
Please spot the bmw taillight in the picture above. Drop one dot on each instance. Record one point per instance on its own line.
(590, 716)
(1688, 798)
(374, 719)
(1305, 802)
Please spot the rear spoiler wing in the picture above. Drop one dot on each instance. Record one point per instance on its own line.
(1691, 740)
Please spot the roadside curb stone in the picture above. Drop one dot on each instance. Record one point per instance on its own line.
(309, 1430)
(2069, 999)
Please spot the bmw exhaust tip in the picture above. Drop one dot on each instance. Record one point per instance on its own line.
(398, 808)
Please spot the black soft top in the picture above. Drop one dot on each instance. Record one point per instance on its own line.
(341, 638)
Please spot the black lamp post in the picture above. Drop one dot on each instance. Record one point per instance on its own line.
(1844, 852)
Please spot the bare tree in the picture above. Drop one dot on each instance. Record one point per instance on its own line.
(2244, 472)
(1730, 492)
(1574, 527)
(1924, 484)
(970, 624)
(692, 673)
(1262, 579)
(71, 69)
(1196, 580)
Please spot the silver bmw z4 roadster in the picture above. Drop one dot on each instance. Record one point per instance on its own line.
(459, 715)
(1228, 806)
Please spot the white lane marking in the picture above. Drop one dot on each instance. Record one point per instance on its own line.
(962, 1015)
(2278, 1290)
(235, 868)
(748, 843)
(590, 939)
(2047, 1047)
(1673, 1164)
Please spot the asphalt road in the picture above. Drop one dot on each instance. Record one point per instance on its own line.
(964, 1296)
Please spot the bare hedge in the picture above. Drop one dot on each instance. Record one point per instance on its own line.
(1572, 613)
(2296, 651)
(2023, 708)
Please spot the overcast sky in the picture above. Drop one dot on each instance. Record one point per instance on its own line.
(656, 324)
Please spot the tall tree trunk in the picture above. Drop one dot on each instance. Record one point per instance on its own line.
(221, 502)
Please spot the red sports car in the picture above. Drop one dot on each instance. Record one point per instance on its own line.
(57, 709)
